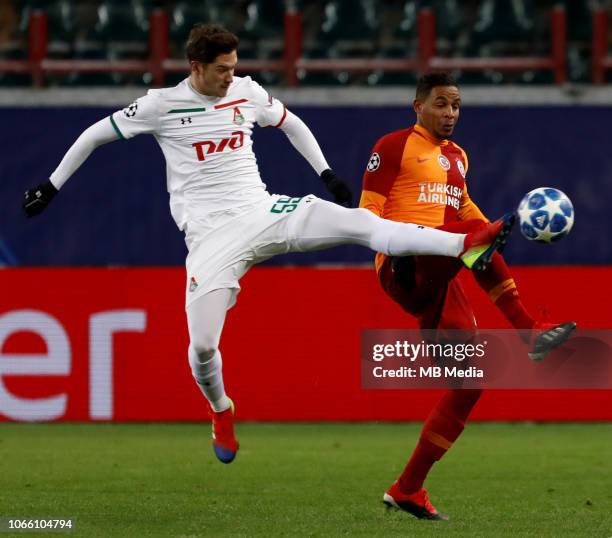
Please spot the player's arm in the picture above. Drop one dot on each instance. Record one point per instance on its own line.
(381, 171)
(106, 130)
(39, 197)
(306, 144)
(468, 209)
(272, 113)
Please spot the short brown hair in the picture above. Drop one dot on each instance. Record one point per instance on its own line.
(207, 41)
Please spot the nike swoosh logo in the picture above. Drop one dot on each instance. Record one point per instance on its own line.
(419, 160)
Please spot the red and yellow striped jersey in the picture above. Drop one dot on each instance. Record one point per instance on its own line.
(414, 177)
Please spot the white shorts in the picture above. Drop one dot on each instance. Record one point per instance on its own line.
(224, 245)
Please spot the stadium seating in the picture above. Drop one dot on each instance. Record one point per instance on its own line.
(579, 36)
(332, 30)
(348, 30)
(185, 15)
(123, 28)
(12, 41)
(397, 39)
(500, 28)
(262, 35)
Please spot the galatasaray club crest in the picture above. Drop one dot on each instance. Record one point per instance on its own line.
(238, 117)
(461, 168)
(444, 162)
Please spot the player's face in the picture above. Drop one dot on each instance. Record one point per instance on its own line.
(215, 78)
(439, 113)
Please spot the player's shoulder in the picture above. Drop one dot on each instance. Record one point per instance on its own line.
(247, 88)
(175, 98)
(180, 92)
(245, 83)
(242, 83)
(241, 88)
(457, 148)
(394, 138)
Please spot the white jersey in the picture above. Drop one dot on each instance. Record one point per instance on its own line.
(210, 164)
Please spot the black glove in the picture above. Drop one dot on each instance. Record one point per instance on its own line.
(338, 188)
(36, 199)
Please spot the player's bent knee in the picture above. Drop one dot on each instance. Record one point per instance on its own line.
(204, 362)
(203, 351)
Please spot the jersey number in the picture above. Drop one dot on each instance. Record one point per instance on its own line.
(208, 146)
(285, 204)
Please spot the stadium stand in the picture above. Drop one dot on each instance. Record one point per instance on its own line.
(323, 42)
(600, 44)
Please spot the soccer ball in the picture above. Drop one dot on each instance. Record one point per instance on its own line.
(546, 215)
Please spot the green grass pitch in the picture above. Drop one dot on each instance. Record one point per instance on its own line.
(305, 480)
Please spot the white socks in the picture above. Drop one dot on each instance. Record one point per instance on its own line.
(209, 378)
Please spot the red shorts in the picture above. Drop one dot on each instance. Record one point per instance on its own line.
(428, 288)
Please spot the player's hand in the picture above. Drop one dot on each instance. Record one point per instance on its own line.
(338, 188)
(38, 198)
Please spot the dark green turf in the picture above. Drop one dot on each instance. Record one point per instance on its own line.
(305, 480)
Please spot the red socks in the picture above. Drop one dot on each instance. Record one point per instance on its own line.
(443, 426)
(447, 420)
(497, 281)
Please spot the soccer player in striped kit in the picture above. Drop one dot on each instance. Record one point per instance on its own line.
(419, 175)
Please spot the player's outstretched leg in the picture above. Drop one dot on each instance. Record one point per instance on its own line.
(205, 317)
(545, 337)
(480, 245)
(326, 225)
(442, 428)
(542, 337)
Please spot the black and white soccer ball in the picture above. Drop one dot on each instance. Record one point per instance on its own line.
(546, 215)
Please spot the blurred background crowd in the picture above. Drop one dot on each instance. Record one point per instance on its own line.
(347, 31)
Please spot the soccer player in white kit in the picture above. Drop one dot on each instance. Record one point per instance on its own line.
(204, 126)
